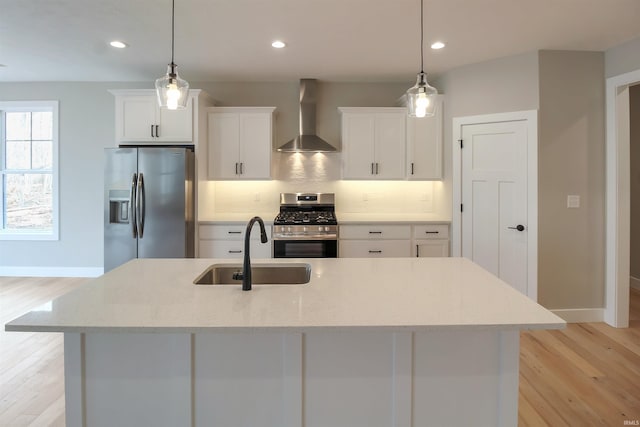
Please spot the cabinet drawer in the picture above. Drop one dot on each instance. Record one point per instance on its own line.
(431, 231)
(431, 248)
(370, 249)
(233, 249)
(229, 232)
(375, 232)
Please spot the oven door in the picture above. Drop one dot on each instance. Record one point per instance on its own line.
(305, 248)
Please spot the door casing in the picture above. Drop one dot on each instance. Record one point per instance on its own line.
(618, 197)
(531, 117)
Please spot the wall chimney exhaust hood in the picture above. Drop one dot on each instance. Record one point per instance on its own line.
(307, 140)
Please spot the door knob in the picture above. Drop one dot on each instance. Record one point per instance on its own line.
(518, 227)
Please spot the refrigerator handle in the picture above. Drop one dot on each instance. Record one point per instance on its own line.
(132, 208)
(140, 205)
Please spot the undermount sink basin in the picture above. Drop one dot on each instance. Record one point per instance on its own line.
(261, 274)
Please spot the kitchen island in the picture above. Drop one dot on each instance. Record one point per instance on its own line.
(367, 342)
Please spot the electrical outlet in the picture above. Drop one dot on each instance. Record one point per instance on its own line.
(573, 201)
(256, 197)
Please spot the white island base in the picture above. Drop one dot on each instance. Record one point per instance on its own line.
(324, 378)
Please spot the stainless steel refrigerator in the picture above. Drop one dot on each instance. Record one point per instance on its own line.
(149, 204)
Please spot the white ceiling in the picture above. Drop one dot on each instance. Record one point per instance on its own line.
(331, 40)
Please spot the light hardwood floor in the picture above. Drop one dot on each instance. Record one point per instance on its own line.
(585, 375)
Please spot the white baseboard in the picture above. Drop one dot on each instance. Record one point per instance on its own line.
(581, 315)
(51, 271)
(634, 283)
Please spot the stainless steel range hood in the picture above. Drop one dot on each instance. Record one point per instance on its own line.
(307, 140)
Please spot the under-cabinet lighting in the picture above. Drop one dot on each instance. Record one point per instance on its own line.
(437, 45)
(278, 44)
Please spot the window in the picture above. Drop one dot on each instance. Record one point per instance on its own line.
(29, 170)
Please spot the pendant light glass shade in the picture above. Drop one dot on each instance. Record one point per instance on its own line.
(171, 90)
(421, 98)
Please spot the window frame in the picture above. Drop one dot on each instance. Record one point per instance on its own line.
(33, 106)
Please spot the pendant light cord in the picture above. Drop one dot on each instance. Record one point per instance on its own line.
(173, 13)
(421, 36)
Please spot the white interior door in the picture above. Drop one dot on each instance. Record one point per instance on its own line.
(494, 199)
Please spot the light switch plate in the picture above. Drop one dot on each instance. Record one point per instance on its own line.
(573, 201)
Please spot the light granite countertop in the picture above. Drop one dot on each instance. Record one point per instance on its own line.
(343, 218)
(403, 294)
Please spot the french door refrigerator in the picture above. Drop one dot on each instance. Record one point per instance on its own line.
(149, 204)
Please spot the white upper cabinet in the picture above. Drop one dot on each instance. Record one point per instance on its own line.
(424, 146)
(140, 119)
(373, 143)
(240, 142)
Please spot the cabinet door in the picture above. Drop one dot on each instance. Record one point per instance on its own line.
(432, 248)
(375, 231)
(358, 132)
(233, 249)
(390, 131)
(424, 146)
(374, 248)
(175, 125)
(135, 116)
(139, 119)
(255, 146)
(228, 232)
(224, 145)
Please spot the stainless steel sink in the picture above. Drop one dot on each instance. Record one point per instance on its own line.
(261, 274)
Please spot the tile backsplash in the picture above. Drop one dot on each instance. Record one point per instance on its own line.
(320, 172)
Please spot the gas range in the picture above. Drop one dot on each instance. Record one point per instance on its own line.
(306, 226)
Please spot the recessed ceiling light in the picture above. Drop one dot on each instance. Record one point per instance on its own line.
(437, 45)
(118, 44)
(278, 44)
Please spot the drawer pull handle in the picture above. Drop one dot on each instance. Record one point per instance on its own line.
(235, 252)
(432, 232)
(234, 232)
(375, 252)
(375, 232)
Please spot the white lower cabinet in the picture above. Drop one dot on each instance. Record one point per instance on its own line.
(431, 240)
(368, 241)
(227, 241)
(388, 241)
(431, 248)
(374, 248)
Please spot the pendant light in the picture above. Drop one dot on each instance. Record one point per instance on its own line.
(421, 98)
(172, 91)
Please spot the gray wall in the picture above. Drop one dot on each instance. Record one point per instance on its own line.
(285, 97)
(506, 84)
(568, 90)
(623, 58)
(634, 97)
(87, 126)
(571, 162)
(86, 114)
